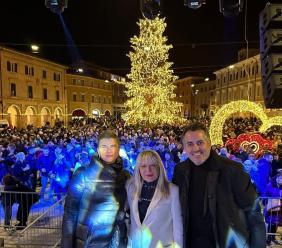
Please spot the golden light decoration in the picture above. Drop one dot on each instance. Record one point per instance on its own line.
(241, 106)
(150, 87)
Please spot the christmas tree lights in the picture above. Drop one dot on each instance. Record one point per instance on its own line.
(150, 87)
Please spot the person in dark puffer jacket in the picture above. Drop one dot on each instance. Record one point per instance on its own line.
(94, 209)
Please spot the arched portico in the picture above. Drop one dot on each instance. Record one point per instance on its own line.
(14, 114)
(45, 116)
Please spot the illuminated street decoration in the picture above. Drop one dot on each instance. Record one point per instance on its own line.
(241, 106)
(255, 141)
(150, 88)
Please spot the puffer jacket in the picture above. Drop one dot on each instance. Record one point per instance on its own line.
(94, 207)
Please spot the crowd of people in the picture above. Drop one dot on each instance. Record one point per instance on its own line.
(49, 156)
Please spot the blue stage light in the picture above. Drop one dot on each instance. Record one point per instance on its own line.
(150, 8)
(194, 4)
(56, 6)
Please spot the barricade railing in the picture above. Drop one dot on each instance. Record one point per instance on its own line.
(20, 212)
(272, 211)
(44, 231)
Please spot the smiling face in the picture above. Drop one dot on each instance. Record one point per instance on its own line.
(197, 146)
(108, 150)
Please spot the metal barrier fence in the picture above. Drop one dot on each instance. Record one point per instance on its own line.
(44, 231)
(272, 211)
(30, 219)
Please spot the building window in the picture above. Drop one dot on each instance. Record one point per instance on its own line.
(74, 97)
(8, 66)
(28, 70)
(44, 74)
(13, 89)
(57, 77)
(12, 66)
(93, 98)
(45, 94)
(253, 70)
(258, 91)
(250, 91)
(30, 93)
(83, 98)
(74, 81)
(80, 82)
(57, 95)
(242, 93)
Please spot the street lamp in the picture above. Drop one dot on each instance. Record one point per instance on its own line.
(34, 48)
(194, 92)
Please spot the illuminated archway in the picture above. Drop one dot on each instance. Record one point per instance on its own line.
(78, 113)
(241, 106)
(30, 116)
(13, 115)
(45, 116)
(58, 114)
(107, 113)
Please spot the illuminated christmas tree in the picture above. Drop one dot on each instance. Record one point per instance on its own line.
(150, 87)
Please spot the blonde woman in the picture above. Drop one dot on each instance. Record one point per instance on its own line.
(155, 211)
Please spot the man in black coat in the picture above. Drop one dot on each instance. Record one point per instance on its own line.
(220, 206)
(95, 202)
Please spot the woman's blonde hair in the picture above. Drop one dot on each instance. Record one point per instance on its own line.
(149, 157)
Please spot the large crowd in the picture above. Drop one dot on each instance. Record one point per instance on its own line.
(36, 156)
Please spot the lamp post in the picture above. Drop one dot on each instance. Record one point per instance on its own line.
(194, 92)
(229, 68)
(34, 48)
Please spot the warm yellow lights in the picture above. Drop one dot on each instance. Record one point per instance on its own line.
(150, 86)
(227, 110)
(34, 48)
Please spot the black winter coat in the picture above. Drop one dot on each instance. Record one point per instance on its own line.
(232, 201)
(94, 207)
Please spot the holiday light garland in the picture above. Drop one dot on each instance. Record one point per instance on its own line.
(241, 106)
(150, 87)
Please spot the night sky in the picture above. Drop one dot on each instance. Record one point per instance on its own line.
(203, 39)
